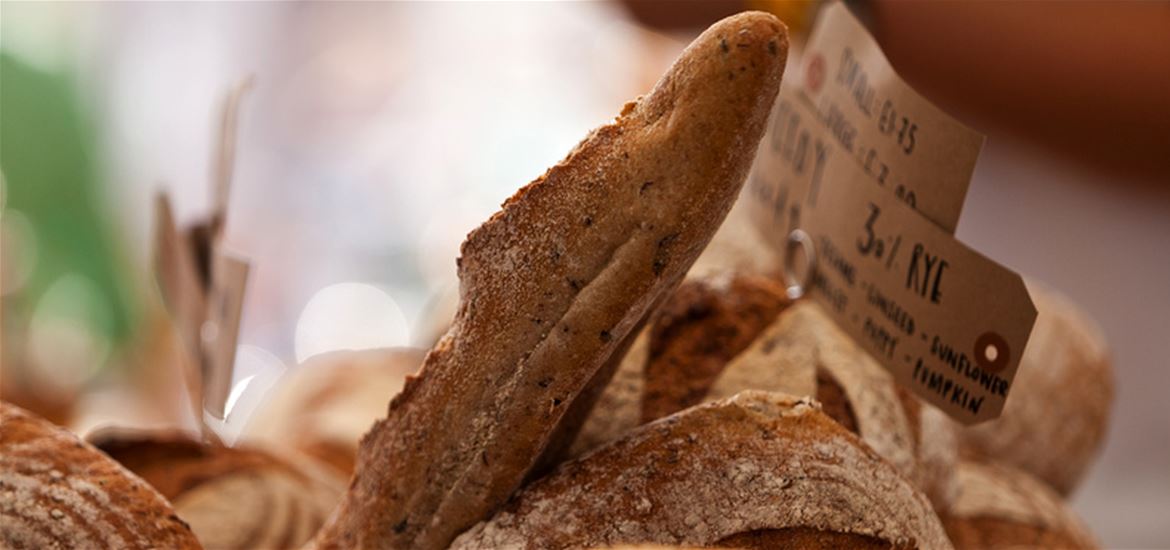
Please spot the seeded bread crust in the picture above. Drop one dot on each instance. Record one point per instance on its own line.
(553, 283)
(57, 491)
(757, 466)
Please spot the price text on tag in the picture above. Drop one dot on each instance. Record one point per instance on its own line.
(898, 138)
(949, 323)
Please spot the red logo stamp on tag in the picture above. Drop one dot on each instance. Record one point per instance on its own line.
(814, 73)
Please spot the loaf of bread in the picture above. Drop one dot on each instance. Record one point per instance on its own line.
(551, 286)
(757, 470)
(1000, 507)
(1054, 422)
(56, 491)
(232, 497)
(324, 406)
(720, 335)
(804, 353)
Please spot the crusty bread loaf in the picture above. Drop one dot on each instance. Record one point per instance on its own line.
(1000, 507)
(58, 492)
(325, 405)
(804, 353)
(1054, 422)
(552, 284)
(797, 350)
(231, 497)
(758, 466)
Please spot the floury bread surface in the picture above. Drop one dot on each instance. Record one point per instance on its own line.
(553, 283)
(757, 470)
(57, 491)
(804, 353)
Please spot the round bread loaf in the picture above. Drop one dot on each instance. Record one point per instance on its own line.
(1054, 422)
(232, 497)
(757, 469)
(999, 507)
(323, 408)
(718, 336)
(804, 353)
(56, 491)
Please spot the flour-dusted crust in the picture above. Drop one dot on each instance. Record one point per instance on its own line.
(804, 353)
(56, 491)
(997, 506)
(798, 350)
(915, 437)
(232, 497)
(553, 283)
(1054, 422)
(755, 463)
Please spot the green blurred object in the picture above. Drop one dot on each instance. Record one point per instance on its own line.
(47, 156)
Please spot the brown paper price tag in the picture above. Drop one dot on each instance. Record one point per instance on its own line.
(220, 331)
(201, 284)
(898, 138)
(182, 291)
(175, 271)
(874, 177)
(949, 323)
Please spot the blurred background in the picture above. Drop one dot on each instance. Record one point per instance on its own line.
(376, 135)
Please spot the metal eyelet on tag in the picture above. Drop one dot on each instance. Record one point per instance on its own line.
(796, 283)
